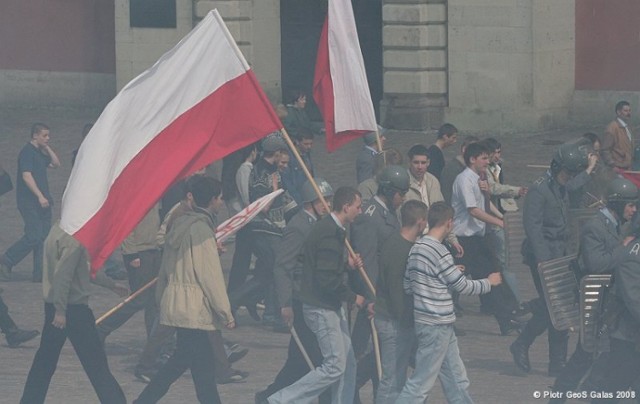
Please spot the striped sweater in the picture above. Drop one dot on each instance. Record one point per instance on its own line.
(430, 277)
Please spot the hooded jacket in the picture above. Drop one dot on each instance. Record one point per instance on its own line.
(191, 287)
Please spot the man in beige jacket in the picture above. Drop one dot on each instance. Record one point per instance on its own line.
(192, 295)
(618, 142)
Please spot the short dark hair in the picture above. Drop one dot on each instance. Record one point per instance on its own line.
(439, 213)
(246, 151)
(203, 188)
(475, 150)
(294, 95)
(344, 196)
(592, 137)
(492, 144)
(412, 211)
(468, 140)
(621, 104)
(446, 130)
(418, 150)
(37, 128)
(304, 133)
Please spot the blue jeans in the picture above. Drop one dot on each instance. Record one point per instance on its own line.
(437, 355)
(396, 342)
(338, 368)
(496, 237)
(37, 222)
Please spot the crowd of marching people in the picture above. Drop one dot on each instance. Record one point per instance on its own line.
(366, 278)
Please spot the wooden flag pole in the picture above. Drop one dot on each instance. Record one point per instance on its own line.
(296, 338)
(294, 150)
(376, 348)
(127, 300)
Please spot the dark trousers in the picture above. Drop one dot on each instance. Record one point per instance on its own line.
(81, 331)
(366, 361)
(138, 277)
(193, 352)
(622, 369)
(479, 261)
(37, 222)
(241, 259)
(540, 322)
(6, 322)
(296, 366)
(161, 337)
(577, 367)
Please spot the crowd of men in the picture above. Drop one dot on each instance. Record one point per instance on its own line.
(398, 249)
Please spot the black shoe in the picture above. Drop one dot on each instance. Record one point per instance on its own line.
(520, 353)
(261, 397)
(236, 355)
(522, 314)
(509, 327)
(556, 368)
(17, 336)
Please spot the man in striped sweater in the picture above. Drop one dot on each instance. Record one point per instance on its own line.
(430, 277)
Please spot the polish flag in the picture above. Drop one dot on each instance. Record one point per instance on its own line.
(199, 102)
(340, 85)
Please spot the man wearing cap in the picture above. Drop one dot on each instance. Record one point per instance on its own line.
(365, 163)
(287, 272)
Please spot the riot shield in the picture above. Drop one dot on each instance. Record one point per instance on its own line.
(560, 289)
(593, 292)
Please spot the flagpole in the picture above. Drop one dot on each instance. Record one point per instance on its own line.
(352, 253)
(127, 300)
(296, 338)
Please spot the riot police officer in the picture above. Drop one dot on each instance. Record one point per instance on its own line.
(600, 246)
(545, 217)
(369, 232)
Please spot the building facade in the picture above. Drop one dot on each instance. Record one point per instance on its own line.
(486, 65)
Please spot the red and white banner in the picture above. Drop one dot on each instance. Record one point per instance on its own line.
(240, 219)
(199, 102)
(340, 85)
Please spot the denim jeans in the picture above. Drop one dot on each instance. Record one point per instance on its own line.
(37, 222)
(396, 343)
(437, 356)
(338, 368)
(497, 240)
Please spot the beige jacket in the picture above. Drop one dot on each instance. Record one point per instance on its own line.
(66, 279)
(433, 195)
(191, 287)
(617, 149)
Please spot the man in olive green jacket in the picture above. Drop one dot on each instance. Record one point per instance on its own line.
(192, 295)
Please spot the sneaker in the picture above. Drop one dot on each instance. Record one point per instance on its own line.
(236, 376)
(145, 375)
(236, 355)
(17, 336)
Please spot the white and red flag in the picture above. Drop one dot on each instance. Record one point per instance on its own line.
(340, 85)
(199, 102)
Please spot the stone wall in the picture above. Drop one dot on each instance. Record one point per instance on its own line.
(415, 63)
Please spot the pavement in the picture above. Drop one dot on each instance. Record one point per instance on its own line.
(494, 378)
